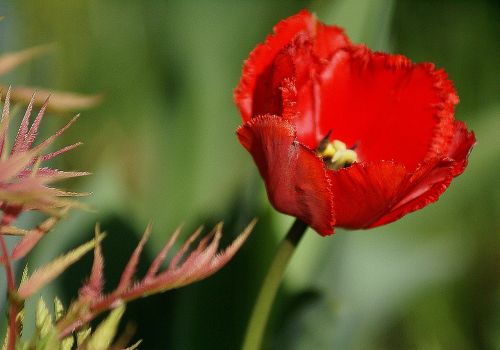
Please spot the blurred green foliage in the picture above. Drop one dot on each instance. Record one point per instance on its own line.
(162, 147)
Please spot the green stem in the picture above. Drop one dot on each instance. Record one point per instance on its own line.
(262, 308)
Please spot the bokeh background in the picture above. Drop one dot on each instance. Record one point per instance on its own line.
(162, 148)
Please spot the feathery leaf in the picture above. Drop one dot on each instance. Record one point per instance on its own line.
(32, 237)
(53, 269)
(43, 318)
(92, 289)
(129, 271)
(202, 262)
(162, 255)
(24, 183)
(104, 334)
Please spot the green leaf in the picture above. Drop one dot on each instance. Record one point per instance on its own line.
(58, 308)
(46, 336)
(67, 343)
(104, 334)
(82, 335)
(5, 339)
(43, 319)
(48, 342)
(24, 276)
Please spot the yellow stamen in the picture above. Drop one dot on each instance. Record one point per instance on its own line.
(336, 155)
(328, 152)
(339, 145)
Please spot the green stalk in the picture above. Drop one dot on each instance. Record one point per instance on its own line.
(262, 308)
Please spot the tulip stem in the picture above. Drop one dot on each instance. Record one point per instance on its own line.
(262, 308)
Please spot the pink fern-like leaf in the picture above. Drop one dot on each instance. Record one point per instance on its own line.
(24, 183)
(92, 289)
(184, 268)
(162, 255)
(129, 271)
(50, 271)
(32, 237)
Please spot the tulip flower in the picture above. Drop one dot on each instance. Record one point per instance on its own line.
(343, 136)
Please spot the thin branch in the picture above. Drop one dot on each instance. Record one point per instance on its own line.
(11, 285)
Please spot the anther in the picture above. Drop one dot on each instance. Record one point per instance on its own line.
(335, 154)
(324, 142)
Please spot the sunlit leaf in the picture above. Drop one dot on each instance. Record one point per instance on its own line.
(104, 334)
(13, 231)
(82, 335)
(47, 273)
(58, 308)
(46, 335)
(43, 318)
(67, 342)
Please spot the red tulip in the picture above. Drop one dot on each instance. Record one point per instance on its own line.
(344, 136)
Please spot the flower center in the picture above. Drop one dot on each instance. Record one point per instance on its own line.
(335, 154)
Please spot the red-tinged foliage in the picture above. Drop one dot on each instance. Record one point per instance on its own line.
(33, 236)
(24, 181)
(307, 81)
(185, 267)
(47, 273)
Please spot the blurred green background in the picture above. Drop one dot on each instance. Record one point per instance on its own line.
(162, 147)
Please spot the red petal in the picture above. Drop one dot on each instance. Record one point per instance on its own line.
(460, 146)
(396, 110)
(365, 191)
(295, 177)
(269, 63)
(420, 189)
(433, 177)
